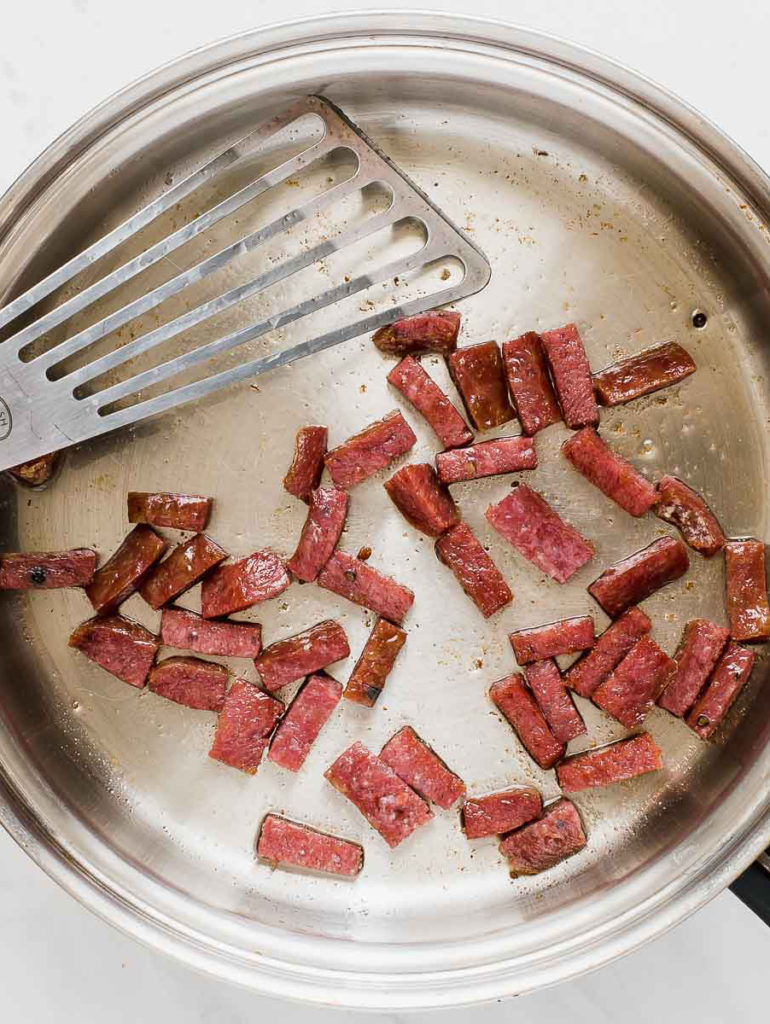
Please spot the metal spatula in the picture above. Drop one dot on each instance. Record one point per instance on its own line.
(41, 413)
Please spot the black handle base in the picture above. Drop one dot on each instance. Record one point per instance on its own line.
(753, 889)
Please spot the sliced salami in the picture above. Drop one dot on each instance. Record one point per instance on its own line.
(181, 570)
(175, 511)
(612, 474)
(368, 678)
(563, 637)
(285, 843)
(190, 681)
(698, 652)
(321, 532)
(634, 578)
(434, 331)
(680, 505)
(369, 451)
(554, 700)
(614, 643)
(544, 843)
(528, 382)
(36, 472)
(490, 458)
(421, 768)
(362, 584)
(302, 654)
(190, 632)
(390, 806)
(728, 679)
(125, 571)
(474, 570)
(120, 646)
(307, 466)
(526, 520)
(643, 374)
(246, 720)
(519, 707)
(299, 728)
(419, 388)
(629, 693)
(496, 813)
(748, 610)
(422, 500)
(237, 585)
(605, 766)
(571, 375)
(47, 570)
(477, 371)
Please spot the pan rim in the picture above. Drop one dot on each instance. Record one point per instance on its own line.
(305, 982)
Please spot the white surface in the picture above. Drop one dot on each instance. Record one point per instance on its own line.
(57, 59)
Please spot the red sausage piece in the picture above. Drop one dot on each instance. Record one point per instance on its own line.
(422, 500)
(372, 449)
(748, 611)
(641, 375)
(518, 705)
(634, 578)
(545, 842)
(419, 388)
(245, 722)
(616, 762)
(528, 383)
(119, 577)
(176, 511)
(490, 458)
(632, 689)
(287, 843)
(321, 532)
(121, 646)
(614, 643)
(47, 570)
(421, 768)
(238, 585)
(474, 570)
(360, 583)
(702, 643)
(300, 655)
(555, 700)
(189, 632)
(183, 568)
(679, 504)
(571, 375)
(368, 678)
(36, 472)
(190, 681)
(390, 806)
(477, 371)
(526, 520)
(308, 713)
(495, 813)
(434, 331)
(564, 637)
(727, 681)
(307, 466)
(608, 471)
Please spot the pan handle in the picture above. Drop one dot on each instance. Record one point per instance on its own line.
(753, 886)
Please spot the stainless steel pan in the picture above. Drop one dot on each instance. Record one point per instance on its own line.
(597, 197)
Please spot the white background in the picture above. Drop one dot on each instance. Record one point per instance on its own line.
(57, 59)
